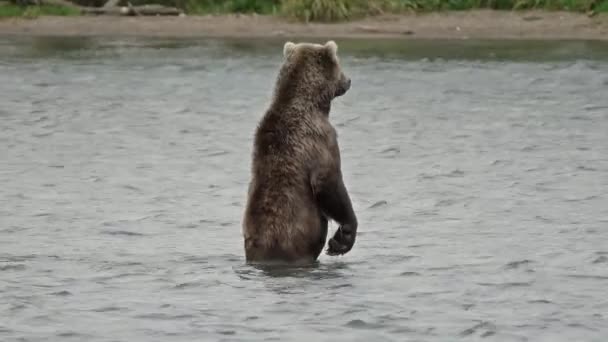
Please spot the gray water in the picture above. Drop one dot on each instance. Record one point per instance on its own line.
(478, 171)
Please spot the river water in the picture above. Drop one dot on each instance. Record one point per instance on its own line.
(478, 171)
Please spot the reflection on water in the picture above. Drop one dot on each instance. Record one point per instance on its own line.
(314, 271)
(478, 171)
(516, 50)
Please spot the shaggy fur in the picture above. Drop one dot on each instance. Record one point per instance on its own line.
(297, 183)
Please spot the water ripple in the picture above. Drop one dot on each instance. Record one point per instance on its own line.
(478, 184)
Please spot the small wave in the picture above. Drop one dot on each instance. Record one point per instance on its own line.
(361, 324)
(517, 264)
(409, 274)
(211, 259)
(601, 260)
(226, 332)
(163, 316)
(587, 276)
(111, 265)
(594, 108)
(347, 122)
(183, 110)
(121, 232)
(393, 258)
(16, 307)
(119, 276)
(445, 203)
(44, 84)
(488, 329)
(508, 284)
(427, 293)
(43, 135)
(378, 204)
(18, 267)
(443, 268)
(543, 219)
(391, 150)
(187, 285)
(62, 293)
(422, 245)
(501, 162)
(42, 214)
(588, 198)
(579, 325)
(585, 168)
(109, 309)
(20, 258)
(216, 154)
(529, 148)
(451, 174)
(188, 226)
(406, 330)
(426, 212)
(133, 188)
(69, 334)
(580, 118)
(13, 229)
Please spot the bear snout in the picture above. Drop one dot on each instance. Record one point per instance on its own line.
(343, 86)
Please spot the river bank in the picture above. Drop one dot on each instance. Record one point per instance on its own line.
(474, 24)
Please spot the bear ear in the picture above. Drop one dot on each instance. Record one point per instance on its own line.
(288, 48)
(332, 48)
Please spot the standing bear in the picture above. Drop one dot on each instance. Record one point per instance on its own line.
(296, 179)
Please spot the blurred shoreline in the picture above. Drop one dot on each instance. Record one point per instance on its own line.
(473, 24)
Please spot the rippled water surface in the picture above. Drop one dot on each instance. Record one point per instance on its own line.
(479, 173)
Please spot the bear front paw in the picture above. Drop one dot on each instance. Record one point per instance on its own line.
(341, 243)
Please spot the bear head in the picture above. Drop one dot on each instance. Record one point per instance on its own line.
(312, 72)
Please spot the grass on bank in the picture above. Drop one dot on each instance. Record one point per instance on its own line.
(340, 10)
(11, 10)
(229, 6)
(324, 10)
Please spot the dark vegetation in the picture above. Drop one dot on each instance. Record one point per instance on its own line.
(302, 10)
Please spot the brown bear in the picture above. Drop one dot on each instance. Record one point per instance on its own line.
(296, 178)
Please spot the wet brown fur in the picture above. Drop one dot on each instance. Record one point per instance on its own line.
(296, 183)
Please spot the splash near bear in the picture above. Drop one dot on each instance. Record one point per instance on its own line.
(296, 181)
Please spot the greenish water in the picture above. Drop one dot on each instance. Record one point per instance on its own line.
(498, 50)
